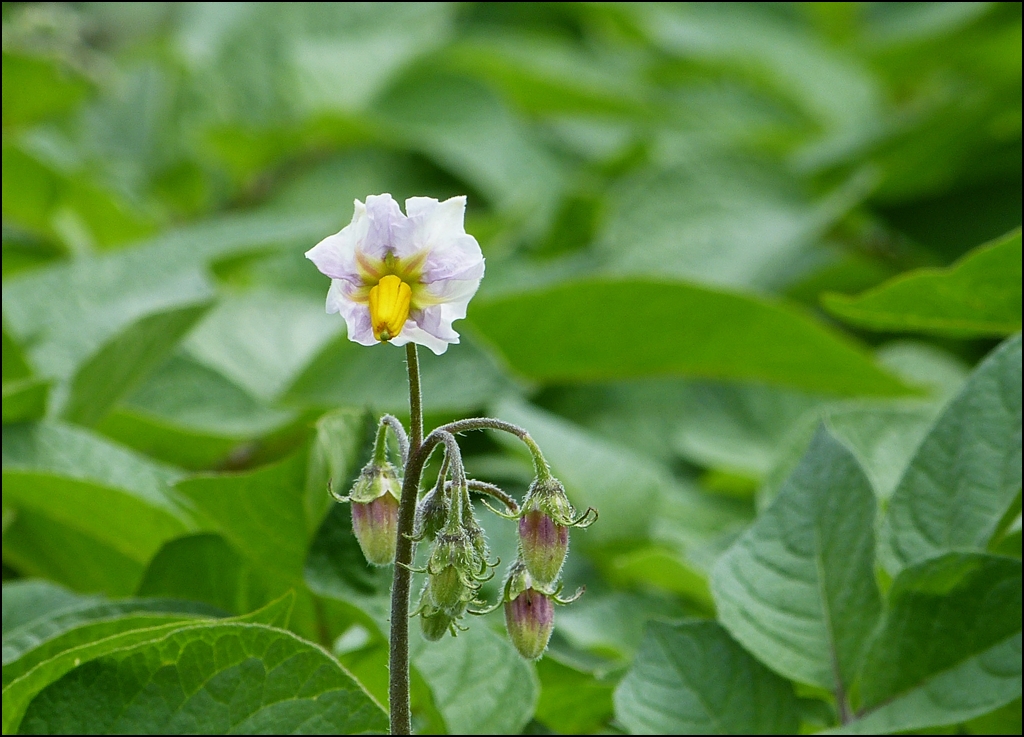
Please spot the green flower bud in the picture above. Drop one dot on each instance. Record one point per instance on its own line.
(435, 623)
(430, 515)
(446, 588)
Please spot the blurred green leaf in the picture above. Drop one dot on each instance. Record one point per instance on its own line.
(100, 324)
(36, 89)
(262, 340)
(107, 495)
(465, 378)
(716, 221)
(25, 399)
(25, 600)
(192, 416)
(571, 701)
(464, 127)
(602, 330)
(120, 364)
(979, 295)
(479, 682)
(262, 513)
(205, 568)
(966, 474)
(949, 647)
(693, 678)
(69, 208)
(798, 588)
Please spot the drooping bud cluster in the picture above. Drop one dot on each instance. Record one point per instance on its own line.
(458, 563)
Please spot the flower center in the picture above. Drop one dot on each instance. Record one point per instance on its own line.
(389, 307)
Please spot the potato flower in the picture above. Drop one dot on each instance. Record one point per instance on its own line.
(402, 278)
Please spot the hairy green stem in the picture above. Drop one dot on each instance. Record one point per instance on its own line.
(398, 689)
(540, 464)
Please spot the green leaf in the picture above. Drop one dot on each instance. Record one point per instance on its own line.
(120, 364)
(205, 568)
(107, 497)
(263, 339)
(24, 395)
(261, 513)
(336, 569)
(80, 645)
(979, 295)
(609, 330)
(949, 648)
(27, 599)
(35, 88)
(611, 624)
(479, 682)
(716, 222)
(45, 630)
(466, 128)
(61, 206)
(192, 416)
(798, 588)
(966, 473)
(571, 701)
(692, 678)
(214, 679)
(464, 379)
(100, 324)
(25, 400)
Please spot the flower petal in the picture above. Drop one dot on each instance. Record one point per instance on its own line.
(384, 216)
(357, 316)
(335, 255)
(438, 228)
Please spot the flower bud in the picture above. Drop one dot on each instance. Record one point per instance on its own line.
(434, 623)
(544, 529)
(446, 588)
(529, 614)
(376, 526)
(430, 515)
(375, 497)
(543, 544)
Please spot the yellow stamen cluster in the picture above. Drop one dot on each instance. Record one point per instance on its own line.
(389, 307)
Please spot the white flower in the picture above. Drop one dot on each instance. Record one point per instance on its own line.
(402, 278)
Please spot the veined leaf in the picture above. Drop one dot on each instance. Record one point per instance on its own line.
(949, 648)
(967, 471)
(479, 682)
(83, 644)
(692, 678)
(978, 295)
(215, 678)
(798, 588)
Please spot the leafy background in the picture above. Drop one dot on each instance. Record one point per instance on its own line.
(754, 283)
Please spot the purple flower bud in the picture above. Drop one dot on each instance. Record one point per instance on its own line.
(376, 526)
(543, 544)
(529, 619)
